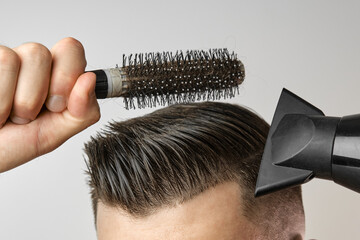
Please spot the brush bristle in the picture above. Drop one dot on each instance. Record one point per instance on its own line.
(164, 79)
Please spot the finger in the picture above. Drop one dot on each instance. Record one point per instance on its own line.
(33, 82)
(83, 104)
(9, 68)
(43, 135)
(83, 111)
(68, 64)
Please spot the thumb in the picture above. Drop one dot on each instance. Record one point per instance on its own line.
(82, 111)
(82, 103)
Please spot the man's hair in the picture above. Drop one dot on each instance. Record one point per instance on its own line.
(173, 154)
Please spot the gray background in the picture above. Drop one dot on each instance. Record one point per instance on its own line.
(309, 47)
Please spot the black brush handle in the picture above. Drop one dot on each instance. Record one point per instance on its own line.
(102, 86)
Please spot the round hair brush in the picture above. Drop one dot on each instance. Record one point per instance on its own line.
(152, 79)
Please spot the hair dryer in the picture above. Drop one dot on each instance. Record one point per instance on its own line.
(303, 143)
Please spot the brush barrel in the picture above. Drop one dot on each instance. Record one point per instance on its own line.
(346, 153)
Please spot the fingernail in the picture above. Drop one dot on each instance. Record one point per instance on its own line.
(19, 120)
(56, 103)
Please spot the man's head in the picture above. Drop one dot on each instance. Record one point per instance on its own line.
(187, 172)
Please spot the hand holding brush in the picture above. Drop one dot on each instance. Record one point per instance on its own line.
(46, 97)
(32, 76)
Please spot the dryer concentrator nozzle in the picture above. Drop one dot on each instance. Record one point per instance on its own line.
(303, 143)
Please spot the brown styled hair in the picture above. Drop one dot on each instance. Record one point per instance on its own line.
(173, 154)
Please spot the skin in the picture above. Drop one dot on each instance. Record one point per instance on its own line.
(212, 215)
(32, 76)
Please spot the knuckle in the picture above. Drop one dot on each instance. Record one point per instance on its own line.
(71, 48)
(72, 43)
(8, 57)
(35, 51)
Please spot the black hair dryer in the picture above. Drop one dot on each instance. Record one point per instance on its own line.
(303, 144)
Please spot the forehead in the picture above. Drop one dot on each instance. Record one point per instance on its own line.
(212, 215)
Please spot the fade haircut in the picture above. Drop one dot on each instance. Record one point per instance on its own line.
(173, 154)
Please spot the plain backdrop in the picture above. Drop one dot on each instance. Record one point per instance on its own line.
(310, 47)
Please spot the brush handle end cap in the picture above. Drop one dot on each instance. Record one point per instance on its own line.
(101, 88)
